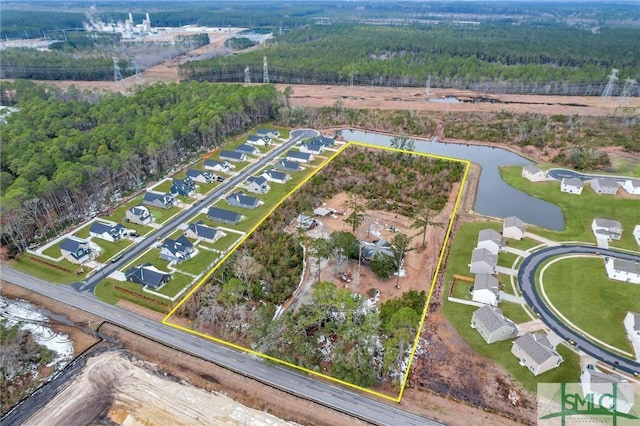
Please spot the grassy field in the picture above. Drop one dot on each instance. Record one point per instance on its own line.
(164, 186)
(460, 315)
(163, 215)
(105, 291)
(48, 273)
(514, 312)
(178, 282)
(507, 259)
(110, 249)
(580, 210)
(199, 263)
(579, 288)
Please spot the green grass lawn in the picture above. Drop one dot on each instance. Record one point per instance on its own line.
(579, 210)
(151, 256)
(506, 259)
(110, 249)
(83, 232)
(580, 289)
(514, 312)
(178, 282)
(53, 250)
(163, 215)
(460, 315)
(48, 273)
(223, 243)
(164, 186)
(199, 263)
(105, 291)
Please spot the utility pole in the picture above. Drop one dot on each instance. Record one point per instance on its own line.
(608, 90)
(137, 70)
(247, 76)
(427, 87)
(265, 71)
(117, 75)
(627, 90)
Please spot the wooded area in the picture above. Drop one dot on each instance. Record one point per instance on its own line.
(68, 155)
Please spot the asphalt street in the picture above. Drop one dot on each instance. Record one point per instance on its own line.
(526, 278)
(185, 215)
(559, 174)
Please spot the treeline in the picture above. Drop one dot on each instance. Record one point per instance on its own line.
(490, 57)
(64, 157)
(239, 43)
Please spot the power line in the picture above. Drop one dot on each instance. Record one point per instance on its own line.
(613, 77)
(265, 71)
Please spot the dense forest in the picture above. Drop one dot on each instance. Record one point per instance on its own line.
(67, 154)
(368, 345)
(491, 57)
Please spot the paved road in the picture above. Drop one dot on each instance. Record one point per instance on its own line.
(559, 174)
(339, 399)
(526, 278)
(184, 216)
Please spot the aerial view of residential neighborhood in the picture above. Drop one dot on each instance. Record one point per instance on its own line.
(319, 213)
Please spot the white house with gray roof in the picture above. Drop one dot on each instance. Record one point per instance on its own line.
(536, 353)
(492, 325)
(598, 384)
(257, 185)
(632, 328)
(604, 186)
(218, 166)
(534, 174)
(200, 230)
(606, 228)
(490, 240)
(486, 289)
(623, 270)
(513, 228)
(75, 250)
(632, 186)
(106, 231)
(233, 156)
(483, 262)
(572, 185)
(636, 234)
(139, 215)
(276, 176)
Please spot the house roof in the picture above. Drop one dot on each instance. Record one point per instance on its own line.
(600, 383)
(636, 320)
(573, 182)
(492, 318)
(245, 200)
(213, 163)
(297, 154)
(225, 215)
(537, 346)
(72, 244)
(246, 148)
(532, 169)
(274, 174)
(101, 228)
(192, 173)
(483, 255)
(490, 235)
(513, 221)
(323, 140)
(181, 245)
(257, 179)
(371, 249)
(186, 183)
(147, 274)
(254, 138)
(139, 210)
(312, 146)
(607, 223)
(202, 230)
(486, 282)
(152, 196)
(264, 131)
(605, 183)
(232, 154)
(289, 165)
(626, 266)
(635, 183)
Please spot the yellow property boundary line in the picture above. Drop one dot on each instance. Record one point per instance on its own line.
(204, 279)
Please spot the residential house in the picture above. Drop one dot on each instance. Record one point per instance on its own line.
(513, 228)
(247, 149)
(177, 250)
(572, 185)
(325, 141)
(147, 275)
(483, 262)
(75, 250)
(604, 186)
(107, 232)
(276, 176)
(492, 325)
(185, 187)
(238, 199)
(200, 176)
(224, 216)
(305, 222)
(636, 234)
(323, 211)
(486, 289)
(311, 148)
(257, 185)
(606, 228)
(288, 166)
(200, 230)
(623, 270)
(139, 215)
(267, 133)
(632, 186)
(300, 157)
(598, 384)
(534, 174)
(162, 201)
(490, 240)
(234, 156)
(257, 140)
(369, 250)
(536, 353)
(218, 166)
(632, 328)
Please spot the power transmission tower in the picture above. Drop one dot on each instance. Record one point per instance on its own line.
(427, 87)
(247, 76)
(117, 75)
(629, 86)
(137, 70)
(613, 77)
(265, 71)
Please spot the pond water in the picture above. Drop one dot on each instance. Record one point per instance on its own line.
(495, 197)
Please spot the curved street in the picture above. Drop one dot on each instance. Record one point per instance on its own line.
(559, 174)
(526, 278)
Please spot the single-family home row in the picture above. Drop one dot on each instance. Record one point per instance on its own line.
(107, 232)
(264, 132)
(239, 199)
(607, 229)
(492, 325)
(572, 185)
(483, 261)
(632, 329)
(298, 156)
(257, 185)
(218, 166)
(161, 201)
(139, 215)
(224, 216)
(201, 231)
(147, 275)
(185, 187)
(610, 389)
(623, 270)
(513, 227)
(75, 250)
(534, 174)
(177, 250)
(486, 289)
(276, 176)
(604, 186)
(536, 352)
